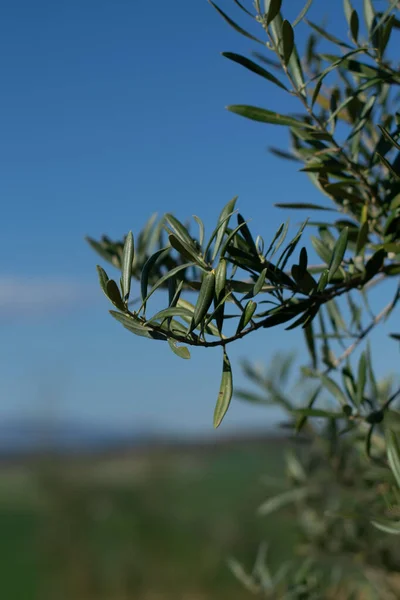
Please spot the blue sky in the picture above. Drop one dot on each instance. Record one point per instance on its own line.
(112, 111)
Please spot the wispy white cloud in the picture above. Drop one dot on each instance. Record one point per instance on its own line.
(36, 295)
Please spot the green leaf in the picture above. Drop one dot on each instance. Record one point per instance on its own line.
(302, 13)
(273, 10)
(319, 413)
(389, 137)
(303, 206)
(393, 454)
(246, 315)
(305, 281)
(126, 266)
(310, 340)
(361, 69)
(235, 25)
(201, 229)
(230, 237)
(186, 251)
(290, 248)
(207, 326)
(260, 282)
(392, 527)
(338, 253)
(326, 35)
(277, 234)
(222, 225)
(245, 232)
(101, 251)
(287, 40)
(354, 25)
(135, 326)
(165, 278)
(114, 294)
(348, 9)
(180, 231)
(225, 391)
(252, 66)
(303, 419)
(171, 311)
(240, 5)
(279, 241)
(362, 237)
(103, 278)
(282, 500)
(147, 267)
(181, 351)
(361, 379)
(334, 389)
(369, 14)
(266, 116)
(387, 164)
(384, 16)
(349, 384)
(375, 263)
(323, 280)
(204, 300)
(220, 278)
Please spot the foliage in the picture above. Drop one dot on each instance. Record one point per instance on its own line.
(346, 139)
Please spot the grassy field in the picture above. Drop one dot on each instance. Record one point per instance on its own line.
(155, 525)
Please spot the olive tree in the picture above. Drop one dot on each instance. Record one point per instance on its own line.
(225, 286)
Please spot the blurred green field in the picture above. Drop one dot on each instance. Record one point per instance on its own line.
(158, 525)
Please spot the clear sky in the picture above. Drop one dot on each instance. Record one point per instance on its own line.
(111, 111)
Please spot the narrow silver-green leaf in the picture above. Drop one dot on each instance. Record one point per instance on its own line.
(255, 68)
(273, 10)
(172, 311)
(303, 13)
(204, 300)
(327, 35)
(348, 9)
(223, 221)
(135, 326)
(260, 282)
(164, 279)
(361, 379)
(287, 40)
(180, 230)
(310, 340)
(147, 267)
(201, 229)
(235, 25)
(284, 499)
(114, 294)
(392, 527)
(246, 315)
(362, 237)
(334, 389)
(186, 251)
(266, 116)
(225, 391)
(126, 266)
(303, 206)
(220, 278)
(369, 14)
(354, 26)
(393, 454)
(338, 253)
(103, 278)
(230, 238)
(181, 351)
